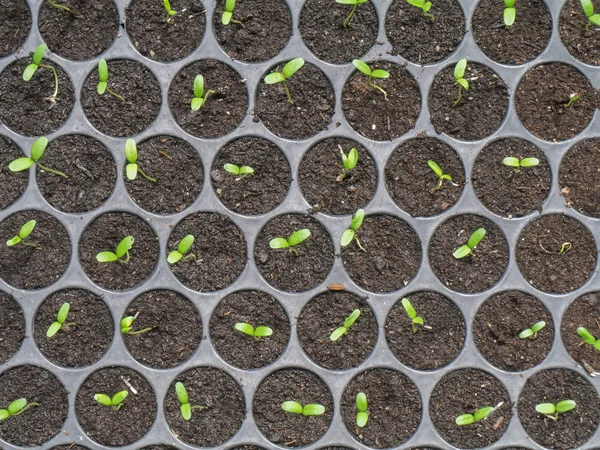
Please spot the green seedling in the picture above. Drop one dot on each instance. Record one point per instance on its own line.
(37, 151)
(350, 160)
(377, 73)
(257, 332)
(170, 12)
(24, 233)
(183, 247)
(295, 239)
(354, 4)
(312, 409)
(103, 83)
(362, 417)
(552, 411)
(243, 171)
(423, 6)
(132, 168)
(588, 9)
(227, 16)
(588, 338)
(61, 318)
(16, 407)
(474, 240)
(121, 251)
(440, 174)
(564, 248)
(115, 402)
(348, 322)
(511, 161)
(480, 414)
(459, 76)
(412, 315)
(200, 96)
(36, 64)
(127, 325)
(533, 331)
(510, 12)
(185, 408)
(288, 70)
(573, 97)
(56, 5)
(350, 234)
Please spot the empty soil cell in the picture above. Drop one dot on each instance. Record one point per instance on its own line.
(219, 251)
(223, 407)
(579, 177)
(104, 234)
(177, 169)
(412, 184)
(543, 95)
(37, 424)
(583, 44)
(12, 327)
(253, 194)
(27, 266)
(325, 313)
(320, 169)
(432, 346)
(285, 428)
(12, 184)
(572, 428)
(105, 425)
(176, 329)
(540, 263)
(582, 312)
(15, 25)
(257, 309)
(140, 91)
(481, 109)
(284, 269)
(85, 335)
(476, 272)
(313, 98)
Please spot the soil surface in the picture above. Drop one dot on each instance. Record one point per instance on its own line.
(579, 177)
(12, 184)
(583, 44)
(583, 312)
(12, 327)
(247, 447)
(72, 446)
(15, 25)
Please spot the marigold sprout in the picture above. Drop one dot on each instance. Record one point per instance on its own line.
(350, 160)
(423, 6)
(312, 409)
(170, 12)
(362, 417)
(121, 250)
(60, 324)
(132, 168)
(552, 411)
(58, 6)
(533, 331)
(103, 83)
(509, 12)
(257, 333)
(295, 239)
(412, 314)
(185, 408)
(350, 234)
(377, 73)
(348, 322)
(588, 338)
(588, 9)
(227, 16)
(127, 325)
(37, 151)
(242, 171)
(439, 173)
(288, 70)
(474, 240)
(16, 407)
(30, 70)
(573, 97)
(480, 414)
(115, 402)
(200, 96)
(564, 248)
(354, 4)
(459, 76)
(24, 233)
(183, 247)
(511, 161)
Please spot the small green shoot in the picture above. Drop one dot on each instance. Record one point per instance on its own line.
(423, 6)
(24, 233)
(60, 324)
(288, 70)
(348, 322)
(510, 12)
(573, 97)
(170, 12)
(474, 240)
(350, 160)
(185, 408)
(459, 76)
(412, 315)
(127, 325)
(30, 70)
(588, 9)
(58, 6)
(295, 239)
(103, 83)
(37, 151)
(354, 4)
(588, 338)
(533, 331)
(200, 96)
(227, 16)
(312, 409)
(243, 171)
(552, 411)
(511, 161)
(132, 168)
(480, 414)
(16, 407)
(121, 250)
(257, 332)
(440, 174)
(377, 73)
(564, 248)
(350, 234)
(183, 247)
(115, 402)
(362, 417)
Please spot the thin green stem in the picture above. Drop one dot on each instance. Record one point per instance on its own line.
(48, 169)
(358, 242)
(459, 96)
(198, 407)
(378, 88)
(190, 256)
(430, 16)
(239, 22)
(29, 244)
(587, 25)
(56, 5)
(26, 408)
(146, 176)
(206, 96)
(287, 91)
(126, 260)
(52, 98)
(145, 330)
(114, 94)
(350, 15)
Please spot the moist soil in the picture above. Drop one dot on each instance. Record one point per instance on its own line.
(265, 29)
(113, 116)
(39, 423)
(12, 184)
(224, 109)
(482, 268)
(12, 327)
(80, 344)
(15, 25)
(481, 110)
(23, 108)
(222, 399)
(391, 258)
(394, 407)
(288, 429)
(285, 270)
(583, 312)
(538, 256)
(323, 32)
(541, 98)
(90, 169)
(253, 194)
(324, 314)
(248, 447)
(507, 191)
(320, 168)
(105, 425)
(219, 251)
(465, 391)
(257, 309)
(159, 447)
(583, 44)
(497, 325)
(70, 447)
(572, 428)
(416, 38)
(28, 267)
(177, 169)
(370, 114)
(311, 112)
(579, 177)
(428, 348)
(104, 235)
(176, 329)
(157, 39)
(412, 183)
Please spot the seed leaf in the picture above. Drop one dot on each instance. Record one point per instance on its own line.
(529, 162)
(14, 241)
(127, 321)
(361, 66)
(361, 419)
(131, 151)
(351, 160)
(565, 405)
(167, 5)
(292, 67)
(181, 392)
(39, 53)
(417, 3)
(102, 87)
(124, 246)
(299, 236)
(20, 164)
(274, 77)
(313, 410)
(103, 70)
(27, 229)
(586, 336)
(347, 237)
(526, 333)
(186, 411)
(459, 69)
(595, 19)
(461, 252)
(226, 17)
(105, 257)
(63, 312)
(174, 257)
(511, 161)
(380, 73)
(588, 7)
(232, 168)
(103, 399)
(199, 86)
(482, 413)
(197, 103)
(476, 238)
(246, 170)
(293, 407)
(245, 328)
(465, 419)
(279, 243)
(38, 148)
(29, 71)
(427, 6)
(357, 219)
(16, 406)
(131, 170)
(263, 331)
(545, 408)
(185, 244)
(338, 333)
(435, 167)
(229, 5)
(351, 318)
(361, 402)
(4, 414)
(53, 329)
(509, 16)
(119, 397)
(538, 326)
(464, 83)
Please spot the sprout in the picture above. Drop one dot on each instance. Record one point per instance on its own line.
(412, 314)
(37, 63)
(228, 13)
(440, 174)
(350, 234)
(588, 9)
(350, 160)
(56, 5)
(354, 4)
(295, 239)
(564, 248)
(132, 168)
(37, 151)
(588, 338)
(480, 414)
(362, 417)
(348, 322)
(474, 240)
(183, 246)
(377, 73)
(24, 233)
(307, 410)
(16, 407)
(122, 250)
(288, 70)
(509, 12)
(103, 84)
(423, 6)
(126, 325)
(257, 332)
(185, 408)
(533, 331)
(170, 12)
(511, 161)
(243, 171)
(459, 76)
(573, 97)
(115, 403)
(60, 324)
(200, 96)
(552, 411)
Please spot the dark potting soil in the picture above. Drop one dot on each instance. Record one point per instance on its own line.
(311, 112)
(497, 325)
(113, 116)
(374, 117)
(482, 268)
(541, 98)
(320, 168)
(82, 343)
(12, 327)
(416, 38)
(582, 312)
(90, 169)
(583, 44)
(265, 29)
(538, 256)
(253, 194)
(572, 428)
(12, 184)
(394, 407)
(105, 425)
(324, 314)
(428, 348)
(391, 258)
(323, 32)
(23, 108)
(27, 267)
(157, 39)
(176, 329)
(177, 169)
(219, 251)
(507, 191)
(579, 177)
(465, 391)
(481, 110)
(285, 428)
(159, 447)
(15, 25)
(222, 399)
(412, 183)
(37, 424)
(248, 447)
(257, 309)
(285, 270)
(104, 235)
(72, 446)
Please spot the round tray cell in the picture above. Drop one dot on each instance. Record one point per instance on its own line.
(72, 446)
(556, 253)
(579, 177)
(159, 447)
(12, 184)
(12, 324)
(15, 25)
(581, 40)
(335, 448)
(248, 447)
(582, 312)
